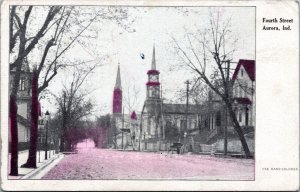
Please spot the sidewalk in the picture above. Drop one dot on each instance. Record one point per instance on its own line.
(40, 160)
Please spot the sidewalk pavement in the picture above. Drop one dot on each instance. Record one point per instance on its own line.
(41, 163)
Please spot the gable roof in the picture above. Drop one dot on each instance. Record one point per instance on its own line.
(249, 66)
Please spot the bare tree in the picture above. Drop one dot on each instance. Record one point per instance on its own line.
(205, 53)
(198, 92)
(73, 104)
(62, 27)
(131, 95)
(24, 45)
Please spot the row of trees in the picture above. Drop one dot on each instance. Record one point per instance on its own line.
(43, 43)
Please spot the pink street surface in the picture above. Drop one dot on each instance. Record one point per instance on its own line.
(93, 163)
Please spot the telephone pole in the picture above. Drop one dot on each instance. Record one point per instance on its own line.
(187, 82)
(228, 88)
(122, 128)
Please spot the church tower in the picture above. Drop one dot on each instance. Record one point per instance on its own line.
(153, 102)
(117, 94)
(153, 85)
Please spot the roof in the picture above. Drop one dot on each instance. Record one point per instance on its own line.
(118, 80)
(243, 100)
(249, 66)
(179, 108)
(153, 65)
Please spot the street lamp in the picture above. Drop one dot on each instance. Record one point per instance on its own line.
(39, 143)
(184, 141)
(47, 115)
(145, 141)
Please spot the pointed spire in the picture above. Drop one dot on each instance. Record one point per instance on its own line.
(118, 80)
(153, 66)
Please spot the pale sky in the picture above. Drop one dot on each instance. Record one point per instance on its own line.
(153, 25)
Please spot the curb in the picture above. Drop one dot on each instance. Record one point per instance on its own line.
(36, 171)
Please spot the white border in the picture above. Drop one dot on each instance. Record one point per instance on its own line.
(277, 103)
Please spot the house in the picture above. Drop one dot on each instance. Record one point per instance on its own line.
(243, 95)
(23, 104)
(243, 80)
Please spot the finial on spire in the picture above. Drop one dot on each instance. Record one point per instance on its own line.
(118, 80)
(153, 66)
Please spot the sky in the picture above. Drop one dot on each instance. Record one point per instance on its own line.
(153, 25)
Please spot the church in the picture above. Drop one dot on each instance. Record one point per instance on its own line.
(159, 124)
(124, 129)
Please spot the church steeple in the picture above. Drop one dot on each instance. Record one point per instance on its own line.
(118, 80)
(117, 94)
(153, 85)
(153, 66)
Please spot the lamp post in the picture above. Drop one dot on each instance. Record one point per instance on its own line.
(184, 141)
(39, 143)
(47, 114)
(145, 137)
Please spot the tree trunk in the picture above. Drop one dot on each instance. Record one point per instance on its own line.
(14, 136)
(239, 131)
(68, 145)
(31, 161)
(63, 129)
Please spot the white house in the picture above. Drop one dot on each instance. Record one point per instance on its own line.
(244, 92)
(23, 103)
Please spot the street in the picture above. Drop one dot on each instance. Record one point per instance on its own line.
(93, 163)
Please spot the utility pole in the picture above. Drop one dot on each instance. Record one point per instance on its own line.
(122, 128)
(162, 117)
(141, 127)
(62, 136)
(228, 88)
(226, 118)
(187, 82)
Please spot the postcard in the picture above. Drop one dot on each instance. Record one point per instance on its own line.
(149, 95)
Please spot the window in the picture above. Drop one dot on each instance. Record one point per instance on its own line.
(241, 92)
(242, 72)
(212, 121)
(22, 84)
(148, 125)
(247, 116)
(183, 124)
(240, 116)
(218, 119)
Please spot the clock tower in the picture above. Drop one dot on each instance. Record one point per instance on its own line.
(153, 85)
(153, 100)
